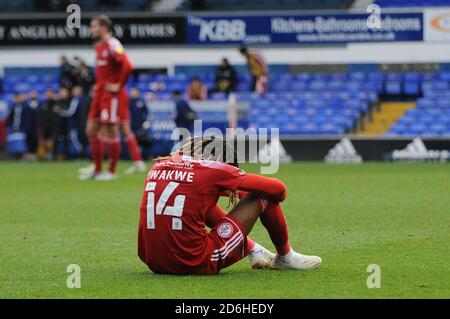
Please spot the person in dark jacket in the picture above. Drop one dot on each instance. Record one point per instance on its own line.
(69, 114)
(139, 111)
(66, 73)
(47, 121)
(83, 111)
(85, 77)
(32, 106)
(61, 108)
(15, 121)
(140, 123)
(226, 78)
(16, 126)
(184, 115)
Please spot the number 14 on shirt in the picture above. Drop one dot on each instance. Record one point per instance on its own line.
(161, 207)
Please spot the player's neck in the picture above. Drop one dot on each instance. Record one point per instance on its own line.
(104, 38)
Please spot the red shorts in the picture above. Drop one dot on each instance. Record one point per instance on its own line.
(225, 245)
(110, 108)
(229, 245)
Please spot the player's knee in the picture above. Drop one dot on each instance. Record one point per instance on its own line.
(125, 129)
(281, 189)
(259, 201)
(90, 130)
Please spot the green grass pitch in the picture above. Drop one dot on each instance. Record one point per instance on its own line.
(394, 215)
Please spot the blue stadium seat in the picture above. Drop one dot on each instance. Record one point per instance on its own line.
(411, 88)
(441, 85)
(300, 103)
(394, 77)
(412, 77)
(393, 87)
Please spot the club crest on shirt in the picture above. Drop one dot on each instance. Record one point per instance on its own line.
(105, 53)
(225, 230)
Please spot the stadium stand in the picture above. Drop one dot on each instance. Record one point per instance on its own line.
(298, 103)
(431, 117)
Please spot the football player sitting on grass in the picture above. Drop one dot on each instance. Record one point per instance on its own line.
(180, 199)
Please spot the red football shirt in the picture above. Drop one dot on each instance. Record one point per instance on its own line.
(112, 65)
(178, 194)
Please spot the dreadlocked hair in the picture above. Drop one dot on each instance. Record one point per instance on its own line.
(211, 148)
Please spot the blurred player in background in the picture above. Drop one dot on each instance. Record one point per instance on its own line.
(258, 69)
(180, 198)
(109, 111)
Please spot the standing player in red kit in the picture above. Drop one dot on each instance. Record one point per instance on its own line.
(180, 199)
(109, 110)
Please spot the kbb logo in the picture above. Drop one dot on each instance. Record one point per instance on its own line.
(222, 30)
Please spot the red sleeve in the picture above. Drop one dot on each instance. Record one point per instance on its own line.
(242, 194)
(229, 177)
(272, 187)
(125, 70)
(121, 58)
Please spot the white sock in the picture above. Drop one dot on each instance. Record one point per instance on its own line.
(287, 256)
(257, 249)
